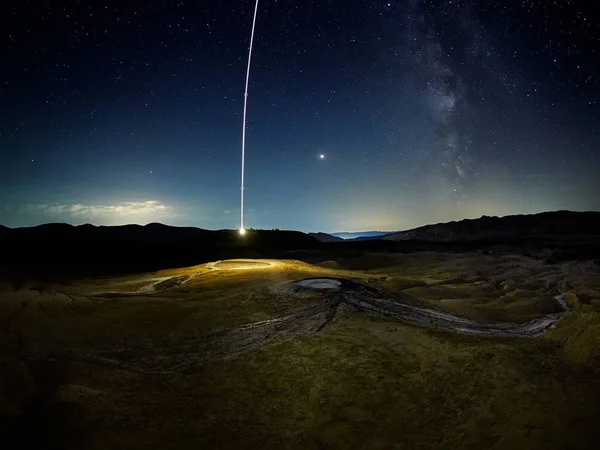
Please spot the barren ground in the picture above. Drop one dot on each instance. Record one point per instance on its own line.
(423, 350)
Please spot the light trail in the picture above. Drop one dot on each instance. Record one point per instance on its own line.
(242, 229)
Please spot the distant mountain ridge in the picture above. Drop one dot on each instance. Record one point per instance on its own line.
(552, 222)
(87, 250)
(546, 223)
(324, 237)
(152, 233)
(348, 235)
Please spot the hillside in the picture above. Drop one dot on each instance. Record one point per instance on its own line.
(324, 237)
(547, 223)
(52, 249)
(411, 352)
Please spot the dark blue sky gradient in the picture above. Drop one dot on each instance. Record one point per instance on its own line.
(426, 111)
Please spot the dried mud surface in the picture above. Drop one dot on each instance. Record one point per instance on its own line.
(336, 294)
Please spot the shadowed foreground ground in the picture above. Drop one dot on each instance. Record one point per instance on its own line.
(165, 360)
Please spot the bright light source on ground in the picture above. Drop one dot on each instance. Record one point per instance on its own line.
(242, 231)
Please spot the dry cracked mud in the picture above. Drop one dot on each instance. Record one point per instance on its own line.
(335, 293)
(341, 293)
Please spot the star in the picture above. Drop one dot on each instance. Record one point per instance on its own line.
(421, 109)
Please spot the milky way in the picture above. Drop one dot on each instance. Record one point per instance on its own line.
(426, 110)
(442, 91)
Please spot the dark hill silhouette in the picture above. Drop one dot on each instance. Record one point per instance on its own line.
(56, 249)
(547, 223)
(324, 237)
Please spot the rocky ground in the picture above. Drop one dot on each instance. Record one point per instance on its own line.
(411, 351)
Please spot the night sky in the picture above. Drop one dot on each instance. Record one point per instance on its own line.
(423, 111)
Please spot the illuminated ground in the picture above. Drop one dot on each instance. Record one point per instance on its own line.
(272, 354)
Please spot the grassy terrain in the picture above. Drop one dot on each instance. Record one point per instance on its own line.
(485, 288)
(359, 383)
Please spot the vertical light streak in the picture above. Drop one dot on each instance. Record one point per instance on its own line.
(242, 230)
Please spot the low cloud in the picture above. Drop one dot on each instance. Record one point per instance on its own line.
(126, 211)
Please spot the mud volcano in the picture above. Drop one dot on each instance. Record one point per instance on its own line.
(366, 299)
(241, 264)
(336, 294)
(320, 283)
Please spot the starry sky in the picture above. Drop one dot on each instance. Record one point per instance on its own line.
(362, 114)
